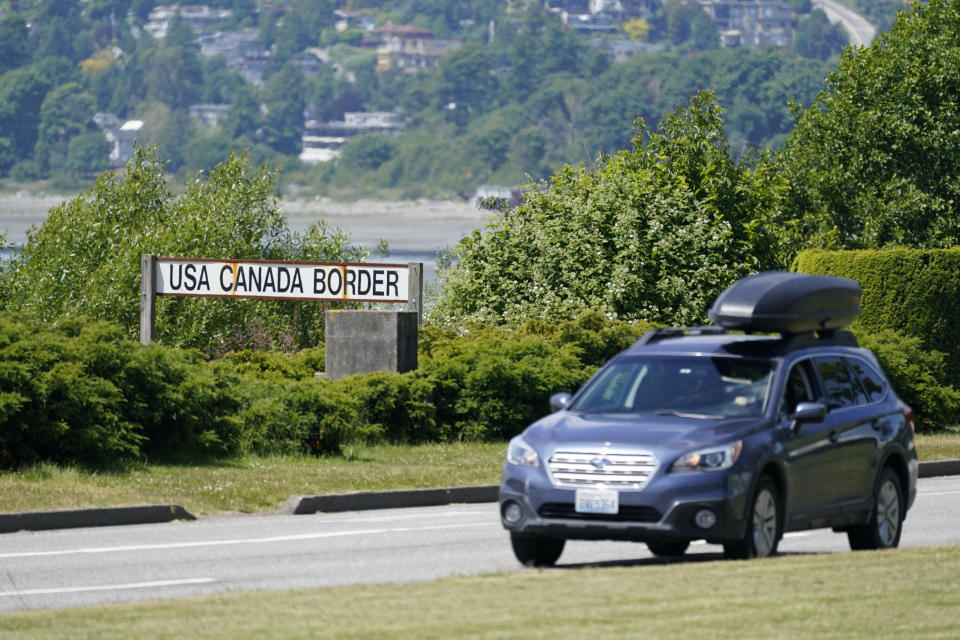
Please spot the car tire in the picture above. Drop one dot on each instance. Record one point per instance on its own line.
(886, 520)
(764, 524)
(666, 548)
(536, 551)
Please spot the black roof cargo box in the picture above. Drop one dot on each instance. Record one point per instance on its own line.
(787, 302)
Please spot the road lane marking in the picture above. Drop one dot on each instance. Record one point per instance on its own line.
(106, 587)
(221, 543)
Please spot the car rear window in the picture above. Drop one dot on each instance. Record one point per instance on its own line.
(691, 386)
(870, 378)
(839, 387)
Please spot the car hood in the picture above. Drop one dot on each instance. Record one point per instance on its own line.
(661, 435)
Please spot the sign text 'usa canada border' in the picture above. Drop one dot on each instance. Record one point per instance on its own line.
(321, 281)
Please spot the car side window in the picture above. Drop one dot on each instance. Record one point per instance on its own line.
(870, 379)
(796, 390)
(839, 388)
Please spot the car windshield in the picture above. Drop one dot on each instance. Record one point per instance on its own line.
(689, 386)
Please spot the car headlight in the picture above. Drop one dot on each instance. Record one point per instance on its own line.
(520, 453)
(713, 459)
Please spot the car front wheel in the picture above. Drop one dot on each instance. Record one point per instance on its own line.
(764, 524)
(886, 523)
(536, 551)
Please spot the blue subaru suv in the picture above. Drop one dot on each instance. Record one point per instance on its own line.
(771, 420)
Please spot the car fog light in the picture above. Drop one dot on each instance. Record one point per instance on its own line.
(705, 518)
(512, 513)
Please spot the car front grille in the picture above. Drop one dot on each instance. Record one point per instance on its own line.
(577, 469)
(626, 513)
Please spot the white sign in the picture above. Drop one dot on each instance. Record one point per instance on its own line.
(369, 282)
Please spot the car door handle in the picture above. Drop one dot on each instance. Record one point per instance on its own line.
(876, 424)
(834, 437)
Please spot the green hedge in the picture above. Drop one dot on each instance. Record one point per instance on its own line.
(82, 393)
(910, 291)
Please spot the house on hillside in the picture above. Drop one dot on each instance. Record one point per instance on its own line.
(598, 16)
(750, 23)
(120, 136)
(322, 140)
(241, 50)
(406, 47)
(199, 17)
(362, 20)
(209, 114)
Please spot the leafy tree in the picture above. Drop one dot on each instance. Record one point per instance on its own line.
(817, 38)
(703, 33)
(219, 83)
(873, 162)
(637, 29)
(284, 96)
(87, 153)
(565, 50)
(14, 43)
(680, 17)
(654, 234)
(172, 132)
(55, 28)
(367, 152)
(67, 111)
(465, 82)
(22, 93)
(206, 152)
(174, 73)
(291, 37)
(243, 116)
(85, 258)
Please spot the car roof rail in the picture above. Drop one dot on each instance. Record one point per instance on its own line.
(787, 341)
(655, 335)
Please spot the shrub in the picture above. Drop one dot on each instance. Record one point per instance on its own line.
(85, 258)
(398, 406)
(653, 234)
(919, 377)
(913, 292)
(490, 383)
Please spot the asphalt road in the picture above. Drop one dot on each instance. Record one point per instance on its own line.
(78, 567)
(860, 32)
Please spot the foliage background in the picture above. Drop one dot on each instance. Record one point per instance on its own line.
(513, 101)
(873, 161)
(653, 234)
(85, 258)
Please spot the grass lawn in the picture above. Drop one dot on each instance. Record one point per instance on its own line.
(258, 484)
(909, 593)
(252, 484)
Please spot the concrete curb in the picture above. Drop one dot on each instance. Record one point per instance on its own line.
(364, 500)
(939, 468)
(101, 517)
(300, 505)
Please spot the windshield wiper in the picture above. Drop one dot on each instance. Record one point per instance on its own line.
(687, 414)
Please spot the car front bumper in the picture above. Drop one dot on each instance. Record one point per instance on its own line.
(665, 509)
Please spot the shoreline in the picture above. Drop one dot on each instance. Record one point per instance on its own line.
(421, 226)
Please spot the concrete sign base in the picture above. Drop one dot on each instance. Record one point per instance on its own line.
(363, 341)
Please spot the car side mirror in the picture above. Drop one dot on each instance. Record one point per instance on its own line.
(808, 412)
(559, 401)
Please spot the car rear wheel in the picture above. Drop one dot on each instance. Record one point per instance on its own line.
(764, 524)
(886, 523)
(536, 551)
(667, 548)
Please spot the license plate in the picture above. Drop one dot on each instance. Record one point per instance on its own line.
(597, 501)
